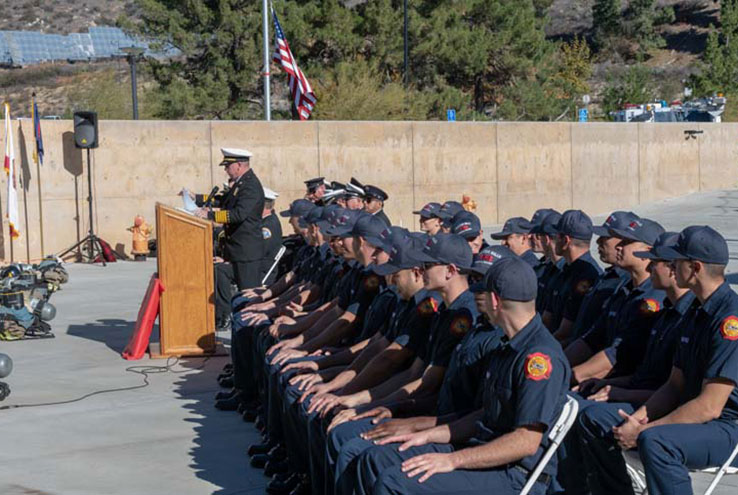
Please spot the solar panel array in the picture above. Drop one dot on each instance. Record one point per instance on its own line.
(20, 48)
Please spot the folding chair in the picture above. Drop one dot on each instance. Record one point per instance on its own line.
(556, 435)
(278, 257)
(638, 476)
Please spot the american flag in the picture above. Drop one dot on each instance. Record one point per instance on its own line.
(302, 93)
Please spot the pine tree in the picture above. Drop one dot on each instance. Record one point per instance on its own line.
(719, 67)
(605, 20)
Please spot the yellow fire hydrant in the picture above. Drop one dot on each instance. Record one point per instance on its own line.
(141, 231)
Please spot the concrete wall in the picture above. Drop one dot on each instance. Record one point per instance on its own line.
(509, 169)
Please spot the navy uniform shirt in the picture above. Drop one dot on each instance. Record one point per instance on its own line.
(334, 281)
(412, 327)
(463, 378)
(708, 348)
(525, 384)
(368, 285)
(348, 284)
(570, 287)
(530, 257)
(449, 325)
(550, 272)
(595, 301)
(662, 343)
(378, 314)
(623, 331)
(271, 231)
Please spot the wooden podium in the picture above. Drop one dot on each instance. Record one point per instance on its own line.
(185, 264)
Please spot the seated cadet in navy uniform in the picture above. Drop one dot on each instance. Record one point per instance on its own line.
(271, 230)
(515, 235)
(455, 398)
(619, 337)
(493, 449)
(594, 302)
(374, 199)
(467, 225)
(536, 243)
(551, 264)
(429, 221)
(572, 241)
(600, 398)
(691, 421)
(240, 213)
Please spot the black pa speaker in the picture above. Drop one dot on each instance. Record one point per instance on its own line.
(85, 129)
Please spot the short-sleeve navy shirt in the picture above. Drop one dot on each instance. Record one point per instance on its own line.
(708, 347)
(595, 301)
(525, 384)
(550, 273)
(570, 287)
(448, 327)
(377, 316)
(412, 328)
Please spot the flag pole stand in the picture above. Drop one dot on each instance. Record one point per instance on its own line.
(94, 247)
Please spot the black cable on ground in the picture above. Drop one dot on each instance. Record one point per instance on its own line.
(144, 371)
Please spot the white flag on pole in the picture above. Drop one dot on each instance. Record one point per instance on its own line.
(11, 213)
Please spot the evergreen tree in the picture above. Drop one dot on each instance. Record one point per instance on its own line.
(719, 67)
(605, 20)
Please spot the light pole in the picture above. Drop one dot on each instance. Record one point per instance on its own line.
(133, 53)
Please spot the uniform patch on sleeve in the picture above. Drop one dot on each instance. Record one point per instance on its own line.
(371, 282)
(583, 286)
(538, 366)
(428, 307)
(729, 328)
(650, 306)
(266, 233)
(460, 325)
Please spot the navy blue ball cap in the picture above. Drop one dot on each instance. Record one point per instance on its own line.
(540, 214)
(512, 279)
(343, 223)
(515, 225)
(429, 210)
(547, 224)
(449, 209)
(616, 220)
(641, 230)
(466, 224)
(330, 213)
(576, 224)
(314, 215)
(298, 208)
(392, 235)
(700, 243)
(403, 255)
(448, 249)
(491, 254)
(371, 228)
(659, 249)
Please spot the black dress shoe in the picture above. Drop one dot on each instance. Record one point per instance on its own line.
(226, 382)
(259, 424)
(259, 461)
(228, 367)
(224, 375)
(224, 324)
(226, 395)
(260, 448)
(228, 404)
(279, 487)
(249, 415)
(277, 453)
(302, 489)
(282, 476)
(274, 467)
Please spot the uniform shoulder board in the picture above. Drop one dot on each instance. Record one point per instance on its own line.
(461, 324)
(428, 306)
(266, 233)
(538, 366)
(729, 328)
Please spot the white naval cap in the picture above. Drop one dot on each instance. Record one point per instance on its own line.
(269, 194)
(231, 155)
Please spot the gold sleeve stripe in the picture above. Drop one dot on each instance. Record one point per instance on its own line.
(221, 216)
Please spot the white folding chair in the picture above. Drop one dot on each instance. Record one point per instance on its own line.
(638, 476)
(278, 257)
(556, 436)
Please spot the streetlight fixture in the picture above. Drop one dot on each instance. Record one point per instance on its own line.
(133, 54)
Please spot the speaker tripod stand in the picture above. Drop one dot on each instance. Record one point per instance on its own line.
(94, 248)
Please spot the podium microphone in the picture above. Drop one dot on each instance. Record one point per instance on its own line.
(209, 201)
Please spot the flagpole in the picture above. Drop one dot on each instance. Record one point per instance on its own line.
(265, 28)
(37, 159)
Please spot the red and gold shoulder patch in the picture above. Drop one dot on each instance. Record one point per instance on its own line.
(460, 325)
(538, 366)
(583, 286)
(650, 306)
(428, 307)
(729, 328)
(371, 282)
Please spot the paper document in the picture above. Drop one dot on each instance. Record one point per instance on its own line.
(188, 203)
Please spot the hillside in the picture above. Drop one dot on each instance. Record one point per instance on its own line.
(61, 87)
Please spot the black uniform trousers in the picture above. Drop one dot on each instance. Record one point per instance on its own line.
(247, 274)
